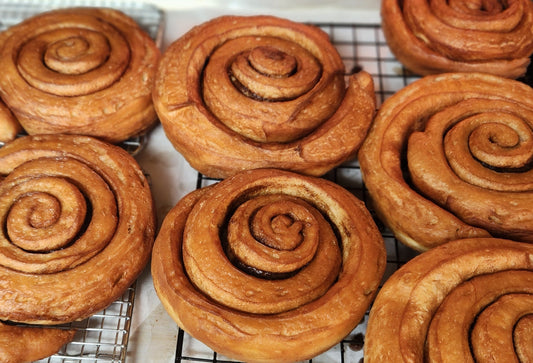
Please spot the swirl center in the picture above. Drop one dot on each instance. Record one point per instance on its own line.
(76, 54)
(282, 236)
(278, 72)
(273, 62)
(45, 211)
(271, 89)
(278, 227)
(45, 219)
(502, 145)
(52, 221)
(72, 61)
(284, 225)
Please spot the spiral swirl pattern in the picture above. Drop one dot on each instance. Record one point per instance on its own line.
(469, 300)
(83, 71)
(72, 238)
(239, 93)
(456, 151)
(280, 265)
(439, 36)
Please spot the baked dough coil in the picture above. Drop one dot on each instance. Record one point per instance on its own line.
(238, 93)
(22, 344)
(9, 126)
(430, 37)
(73, 238)
(454, 153)
(82, 71)
(268, 265)
(468, 300)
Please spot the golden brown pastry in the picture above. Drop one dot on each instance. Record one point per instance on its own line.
(24, 344)
(79, 71)
(77, 227)
(239, 93)
(268, 265)
(466, 291)
(430, 37)
(494, 333)
(523, 331)
(9, 126)
(449, 157)
(469, 291)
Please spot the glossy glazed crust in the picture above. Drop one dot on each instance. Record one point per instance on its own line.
(191, 230)
(426, 309)
(77, 227)
(221, 130)
(82, 71)
(24, 344)
(464, 142)
(433, 37)
(9, 126)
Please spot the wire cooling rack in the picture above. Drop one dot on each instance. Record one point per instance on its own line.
(104, 336)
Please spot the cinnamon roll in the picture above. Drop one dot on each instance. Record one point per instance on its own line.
(440, 36)
(23, 344)
(453, 152)
(79, 71)
(9, 126)
(268, 265)
(468, 300)
(73, 237)
(238, 93)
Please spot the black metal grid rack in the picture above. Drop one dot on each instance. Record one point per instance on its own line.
(362, 47)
